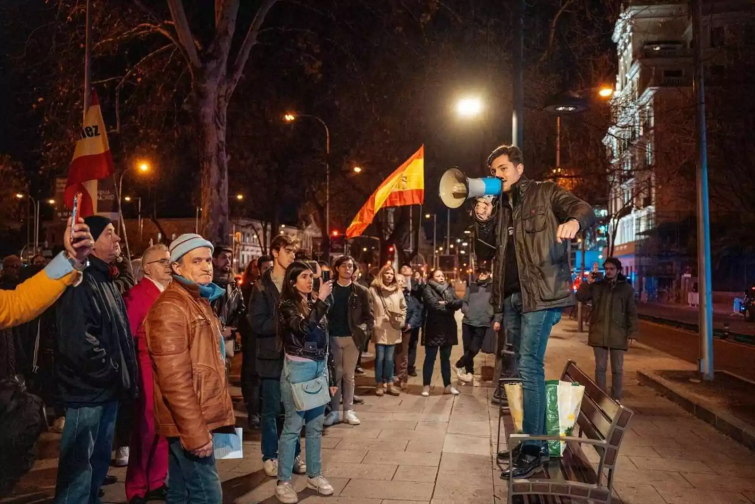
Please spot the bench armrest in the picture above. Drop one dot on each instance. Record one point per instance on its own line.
(512, 440)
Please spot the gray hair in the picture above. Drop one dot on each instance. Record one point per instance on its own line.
(159, 248)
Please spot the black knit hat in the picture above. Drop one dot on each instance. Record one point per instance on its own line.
(97, 225)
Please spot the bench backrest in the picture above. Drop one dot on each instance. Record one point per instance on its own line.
(600, 417)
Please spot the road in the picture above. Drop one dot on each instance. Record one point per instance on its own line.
(729, 356)
(689, 315)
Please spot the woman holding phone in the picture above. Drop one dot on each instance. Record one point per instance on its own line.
(303, 331)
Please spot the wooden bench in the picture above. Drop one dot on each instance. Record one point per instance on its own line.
(601, 424)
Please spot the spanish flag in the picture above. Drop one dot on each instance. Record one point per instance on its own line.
(92, 159)
(405, 186)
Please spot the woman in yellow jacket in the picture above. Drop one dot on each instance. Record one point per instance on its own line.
(38, 293)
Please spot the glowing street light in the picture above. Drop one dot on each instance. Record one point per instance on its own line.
(143, 167)
(239, 197)
(605, 92)
(51, 201)
(19, 196)
(469, 107)
(127, 198)
(289, 118)
(357, 169)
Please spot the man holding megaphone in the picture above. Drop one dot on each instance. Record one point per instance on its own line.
(525, 231)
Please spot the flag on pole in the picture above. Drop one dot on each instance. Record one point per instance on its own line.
(405, 186)
(92, 160)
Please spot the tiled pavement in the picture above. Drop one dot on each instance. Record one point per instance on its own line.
(440, 449)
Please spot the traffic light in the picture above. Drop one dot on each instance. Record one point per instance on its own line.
(335, 233)
(391, 249)
(337, 243)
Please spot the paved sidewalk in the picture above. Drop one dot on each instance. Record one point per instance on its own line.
(440, 449)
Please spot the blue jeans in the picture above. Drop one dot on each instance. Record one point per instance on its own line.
(270, 392)
(431, 353)
(300, 371)
(85, 453)
(384, 363)
(191, 479)
(529, 333)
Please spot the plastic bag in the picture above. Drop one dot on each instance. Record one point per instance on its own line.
(516, 404)
(562, 403)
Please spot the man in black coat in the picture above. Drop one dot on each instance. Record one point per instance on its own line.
(527, 238)
(95, 367)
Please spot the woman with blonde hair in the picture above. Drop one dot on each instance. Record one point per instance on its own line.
(390, 314)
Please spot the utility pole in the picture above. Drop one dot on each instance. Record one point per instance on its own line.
(517, 117)
(703, 216)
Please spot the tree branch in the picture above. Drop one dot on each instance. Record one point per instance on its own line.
(226, 12)
(554, 25)
(249, 41)
(183, 30)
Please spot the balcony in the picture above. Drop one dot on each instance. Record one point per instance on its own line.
(659, 51)
(657, 77)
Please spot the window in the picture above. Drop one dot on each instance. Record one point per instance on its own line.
(649, 159)
(717, 36)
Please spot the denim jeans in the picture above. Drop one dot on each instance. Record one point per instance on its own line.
(85, 453)
(300, 371)
(384, 363)
(413, 349)
(530, 333)
(192, 479)
(445, 364)
(270, 391)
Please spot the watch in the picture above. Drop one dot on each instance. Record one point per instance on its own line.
(78, 267)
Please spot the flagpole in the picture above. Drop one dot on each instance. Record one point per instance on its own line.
(411, 228)
(90, 185)
(120, 217)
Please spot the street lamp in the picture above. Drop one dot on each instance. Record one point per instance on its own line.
(605, 92)
(469, 107)
(240, 197)
(357, 169)
(139, 223)
(142, 167)
(290, 118)
(435, 236)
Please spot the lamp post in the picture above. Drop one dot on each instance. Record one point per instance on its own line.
(35, 209)
(143, 167)
(291, 117)
(138, 215)
(435, 236)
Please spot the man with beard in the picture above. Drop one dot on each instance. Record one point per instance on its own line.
(230, 306)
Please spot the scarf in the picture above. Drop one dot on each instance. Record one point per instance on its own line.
(210, 292)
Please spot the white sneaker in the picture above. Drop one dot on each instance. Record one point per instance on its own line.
(121, 457)
(464, 376)
(333, 417)
(426, 391)
(271, 467)
(300, 467)
(285, 493)
(321, 485)
(351, 418)
(451, 390)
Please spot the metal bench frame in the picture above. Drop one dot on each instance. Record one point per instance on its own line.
(606, 444)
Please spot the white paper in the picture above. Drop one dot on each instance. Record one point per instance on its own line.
(228, 445)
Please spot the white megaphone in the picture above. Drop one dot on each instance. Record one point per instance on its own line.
(456, 188)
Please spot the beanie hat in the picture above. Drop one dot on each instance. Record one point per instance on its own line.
(97, 225)
(185, 244)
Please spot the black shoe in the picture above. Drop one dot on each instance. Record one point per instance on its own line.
(109, 480)
(358, 400)
(359, 371)
(503, 456)
(254, 422)
(525, 465)
(159, 494)
(413, 372)
(138, 500)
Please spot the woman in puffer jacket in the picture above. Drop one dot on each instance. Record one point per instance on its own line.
(440, 330)
(390, 315)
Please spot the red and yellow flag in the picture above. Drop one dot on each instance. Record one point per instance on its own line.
(92, 159)
(405, 186)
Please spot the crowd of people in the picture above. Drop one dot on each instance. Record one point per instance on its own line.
(143, 364)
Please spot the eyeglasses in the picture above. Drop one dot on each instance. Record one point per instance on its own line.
(163, 262)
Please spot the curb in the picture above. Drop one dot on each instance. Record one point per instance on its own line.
(727, 424)
(745, 339)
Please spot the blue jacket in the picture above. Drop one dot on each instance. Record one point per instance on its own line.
(413, 310)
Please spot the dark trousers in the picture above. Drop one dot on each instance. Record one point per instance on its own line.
(431, 353)
(472, 338)
(85, 453)
(192, 479)
(124, 423)
(413, 348)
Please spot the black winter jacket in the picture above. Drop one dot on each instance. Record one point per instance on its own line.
(263, 321)
(296, 330)
(440, 323)
(94, 358)
(543, 263)
(413, 310)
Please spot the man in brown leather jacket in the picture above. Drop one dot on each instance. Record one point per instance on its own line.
(188, 355)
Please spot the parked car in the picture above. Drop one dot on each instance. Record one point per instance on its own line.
(747, 307)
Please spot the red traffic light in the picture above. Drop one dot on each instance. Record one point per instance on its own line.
(335, 232)
(391, 249)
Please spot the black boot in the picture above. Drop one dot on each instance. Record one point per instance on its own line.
(503, 456)
(528, 462)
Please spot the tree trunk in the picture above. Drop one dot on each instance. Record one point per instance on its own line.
(215, 223)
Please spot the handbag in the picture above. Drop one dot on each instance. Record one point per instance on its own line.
(309, 394)
(393, 317)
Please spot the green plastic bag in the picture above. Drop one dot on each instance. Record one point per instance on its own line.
(562, 403)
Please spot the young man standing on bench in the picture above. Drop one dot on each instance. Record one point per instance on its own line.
(527, 236)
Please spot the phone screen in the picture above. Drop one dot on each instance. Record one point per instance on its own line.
(326, 276)
(75, 212)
